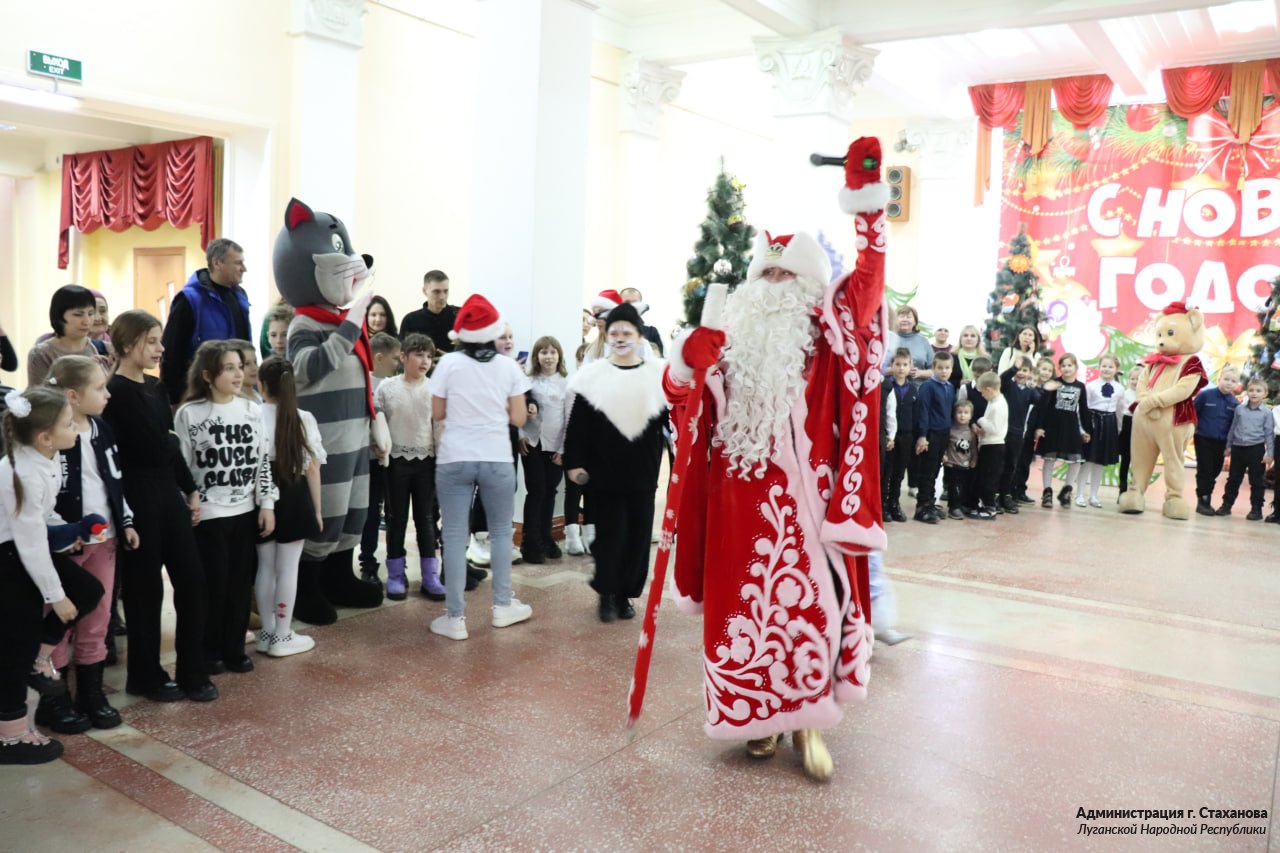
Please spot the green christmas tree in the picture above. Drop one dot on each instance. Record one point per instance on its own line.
(723, 249)
(1266, 353)
(1014, 302)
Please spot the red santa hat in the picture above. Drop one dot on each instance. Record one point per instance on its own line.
(798, 253)
(605, 301)
(478, 322)
(863, 191)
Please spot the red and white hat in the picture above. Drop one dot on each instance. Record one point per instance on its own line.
(863, 190)
(478, 321)
(798, 253)
(605, 301)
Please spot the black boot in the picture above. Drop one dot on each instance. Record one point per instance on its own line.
(896, 512)
(90, 698)
(1204, 507)
(1064, 497)
(1046, 499)
(310, 605)
(608, 610)
(1008, 504)
(624, 607)
(56, 712)
(340, 585)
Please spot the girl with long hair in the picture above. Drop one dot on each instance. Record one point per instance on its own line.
(542, 446)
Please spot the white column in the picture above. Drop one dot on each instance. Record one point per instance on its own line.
(529, 197)
(646, 88)
(328, 36)
(815, 79)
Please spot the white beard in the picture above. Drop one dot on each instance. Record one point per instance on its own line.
(770, 336)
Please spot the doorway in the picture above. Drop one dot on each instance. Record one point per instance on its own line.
(158, 274)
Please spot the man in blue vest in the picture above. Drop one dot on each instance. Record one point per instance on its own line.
(211, 307)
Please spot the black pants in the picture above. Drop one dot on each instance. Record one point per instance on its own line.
(893, 467)
(84, 590)
(373, 521)
(411, 480)
(228, 547)
(1009, 464)
(986, 478)
(957, 483)
(21, 626)
(1023, 472)
(1246, 458)
(1126, 451)
(166, 539)
(577, 508)
(929, 463)
(624, 526)
(1209, 455)
(541, 482)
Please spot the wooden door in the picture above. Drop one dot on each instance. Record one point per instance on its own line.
(158, 274)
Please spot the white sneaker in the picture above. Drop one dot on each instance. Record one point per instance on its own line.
(573, 540)
(510, 614)
(1095, 503)
(264, 642)
(478, 550)
(453, 627)
(1081, 501)
(588, 537)
(291, 644)
(516, 555)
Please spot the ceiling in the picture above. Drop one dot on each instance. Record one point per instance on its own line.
(31, 138)
(931, 50)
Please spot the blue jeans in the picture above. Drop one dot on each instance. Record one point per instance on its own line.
(455, 483)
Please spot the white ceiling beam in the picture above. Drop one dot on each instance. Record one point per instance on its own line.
(1113, 62)
(784, 17)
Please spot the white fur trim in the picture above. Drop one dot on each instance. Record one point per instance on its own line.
(677, 368)
(630, 399)
(482, 335)
(802, 256)
(868, 199)
(599, 303)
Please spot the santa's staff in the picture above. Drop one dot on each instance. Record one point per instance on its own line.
(714, 340)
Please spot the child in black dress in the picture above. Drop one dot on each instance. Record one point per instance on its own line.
(296, 454)
(1105, 396)
(1061, 430)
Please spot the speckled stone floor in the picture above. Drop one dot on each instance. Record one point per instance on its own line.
(1061, 659)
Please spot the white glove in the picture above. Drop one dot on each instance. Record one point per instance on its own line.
(356, 310)
(381, 434)
(676, 367)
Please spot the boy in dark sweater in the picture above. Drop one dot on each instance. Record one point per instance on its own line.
(1214, 410)
(1018, 393)
(936, 399)
(1250, 442)
(897, 432)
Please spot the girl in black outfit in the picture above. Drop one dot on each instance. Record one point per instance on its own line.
(166, 505)
(614, 445)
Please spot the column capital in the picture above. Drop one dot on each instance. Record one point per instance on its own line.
(944, 146)
(645, 89)
(815, 74)
(340, 21)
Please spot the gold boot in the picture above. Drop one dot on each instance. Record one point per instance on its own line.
(764, 747)
(817, 760)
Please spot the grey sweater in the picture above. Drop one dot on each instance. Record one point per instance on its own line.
(1250, 427)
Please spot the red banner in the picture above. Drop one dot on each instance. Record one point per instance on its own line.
(1146, 209)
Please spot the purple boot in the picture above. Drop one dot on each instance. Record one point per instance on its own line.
(396, 586)
(431, 586)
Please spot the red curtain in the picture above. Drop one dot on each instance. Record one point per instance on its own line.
(997, 104)
(1083, 100)
(1192, 91)
(145, 185)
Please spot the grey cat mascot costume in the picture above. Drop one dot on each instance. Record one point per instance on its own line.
(317, 271)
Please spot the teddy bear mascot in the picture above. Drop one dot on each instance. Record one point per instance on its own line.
(316, 271)
(1164, 417)
(780, 503)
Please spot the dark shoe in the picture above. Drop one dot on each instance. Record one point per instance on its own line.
(215, 666)
(896, 513)
(1023, 498)
(1009, 505)
(45, 685)
(552, 551)
(341, 586)
(1064, 497)
(165, 691)
(475, 576)
(625, 609)
(1254, 515)
(91, 700)
(984, 514)
(1203, 507)
(1046, 499)
(970, 512)
(534, 556)
(18, 752)
(240, 664)
(1274, 518)
(310, 605)
(202, 692)
(607, 610)
(926, 515)
(956, 513)
(369, 573)
(60, 715)
(1225, 509)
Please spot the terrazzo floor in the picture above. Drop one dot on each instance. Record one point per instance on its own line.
(1061, 659)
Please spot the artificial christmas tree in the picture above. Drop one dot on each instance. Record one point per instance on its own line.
(1266, 353)
(1015, 301)
(723, 250)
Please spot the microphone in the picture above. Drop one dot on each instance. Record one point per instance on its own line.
(822, 160)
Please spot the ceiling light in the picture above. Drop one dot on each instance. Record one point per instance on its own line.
(40, 98)
(1243, 16)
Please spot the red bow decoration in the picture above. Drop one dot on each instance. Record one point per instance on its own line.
(1160, 360)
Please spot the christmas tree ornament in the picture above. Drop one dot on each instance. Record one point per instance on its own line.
(1019, 264)
(1008, 303)
(722, 268)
